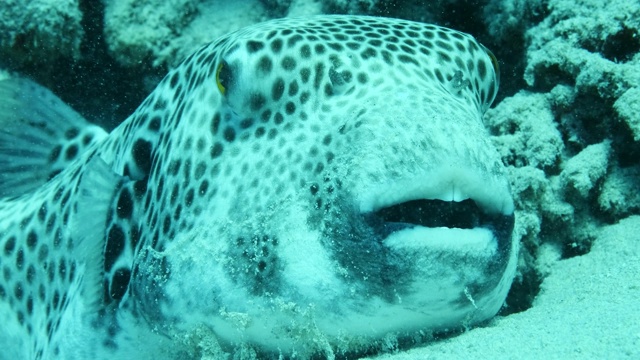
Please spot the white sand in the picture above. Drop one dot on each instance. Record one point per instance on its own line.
(588, 308)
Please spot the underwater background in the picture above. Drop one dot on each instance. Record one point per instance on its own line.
(566, 122)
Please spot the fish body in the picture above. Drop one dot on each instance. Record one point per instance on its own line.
(302, 187)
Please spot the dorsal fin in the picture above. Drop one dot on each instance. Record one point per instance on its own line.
(39, 136)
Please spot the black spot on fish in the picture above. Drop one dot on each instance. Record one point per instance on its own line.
(87, 139)
(42, 213)
(160, 104)
(71, 133)
(305, 51)
(265, 65)
(246, 123)
(319, 73)
(290, 108)
(254, 46)
(444, 45)
(444, 57)
(328, 89)
(199, 171)
(294, 40)
(32, 240)
(216, 150)
(71, 152)
(257, 101)
(124, 208)
(119, 283)
(29, 305)
(387, 57)
(368, 53)
(166, 225)
(277, 89)
(229, 134)
(174, 80)
(141, 153)
(20, 259)
(304, 97)
(43, 252)
(276, 45)
(482, 70)
(265, 116)
(55, 153)
(353, 45)
(203, 187)
(278, 119)
(114, 247)
(18, 291)
(9, 246)
(288, 63)
(51, 222)
(215, 124)
(140, 188)
(154, 124)
(305, 74)
(188, 199)
(31, 274)
(335, 46)
(407, 59)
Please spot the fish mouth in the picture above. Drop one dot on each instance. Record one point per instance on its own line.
(456, 210)
(434, 213)
(445, 224)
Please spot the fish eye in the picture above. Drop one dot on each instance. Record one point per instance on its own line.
(223, 77)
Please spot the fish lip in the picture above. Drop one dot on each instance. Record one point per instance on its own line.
(435, 213)
(491, 193)
(388, 224)
(474, 201)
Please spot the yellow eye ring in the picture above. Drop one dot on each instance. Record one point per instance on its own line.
(221, 87)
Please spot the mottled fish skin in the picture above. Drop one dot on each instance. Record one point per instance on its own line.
(305, 186)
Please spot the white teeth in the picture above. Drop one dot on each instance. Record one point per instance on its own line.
(447, 184)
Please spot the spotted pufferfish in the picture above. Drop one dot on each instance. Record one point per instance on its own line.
(304, 187)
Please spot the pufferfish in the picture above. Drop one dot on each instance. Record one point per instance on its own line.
(304, 187)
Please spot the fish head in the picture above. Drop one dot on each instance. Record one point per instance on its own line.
(332, 168)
